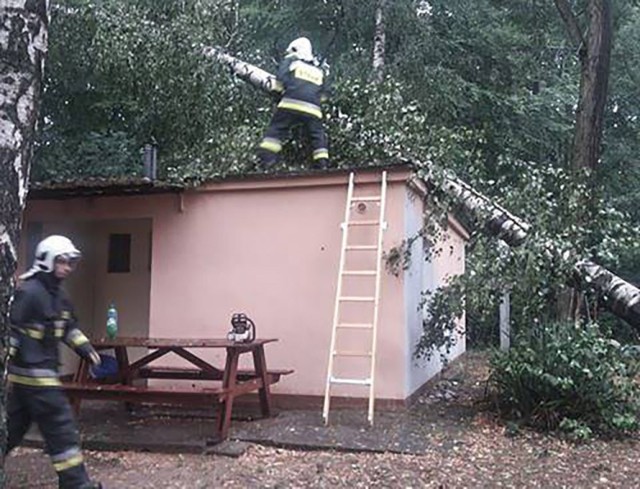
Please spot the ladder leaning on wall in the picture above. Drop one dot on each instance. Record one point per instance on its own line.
(367, 328)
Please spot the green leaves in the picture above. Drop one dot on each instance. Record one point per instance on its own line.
(484, 89)
(559, 376)
(138, 73)
(99, 154)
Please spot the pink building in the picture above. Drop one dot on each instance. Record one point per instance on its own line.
(178, 262)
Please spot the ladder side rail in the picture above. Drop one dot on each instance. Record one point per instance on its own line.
(336, 310)
(374, 338)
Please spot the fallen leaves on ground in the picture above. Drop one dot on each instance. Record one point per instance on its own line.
(482, 454)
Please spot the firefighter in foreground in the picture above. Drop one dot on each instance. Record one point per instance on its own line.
(302, 86)
(42, 316)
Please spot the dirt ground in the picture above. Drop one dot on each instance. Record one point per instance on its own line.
(477, 452)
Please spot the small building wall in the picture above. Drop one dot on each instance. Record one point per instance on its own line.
(424, 276)
(271, 251)
(269, 248)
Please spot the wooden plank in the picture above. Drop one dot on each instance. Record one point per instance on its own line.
(260, 364)
(229, 383)
(189, 373)
(141, 389)
(336, 307)
(193, 359)
(179, 374)
(363, 223)
(144, 394)
(105, 343)
(376, 305)
(147, 359)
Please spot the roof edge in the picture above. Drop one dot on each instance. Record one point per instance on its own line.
(99, 187)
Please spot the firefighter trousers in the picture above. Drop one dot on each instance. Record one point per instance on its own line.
(278, 130)
(49, 408)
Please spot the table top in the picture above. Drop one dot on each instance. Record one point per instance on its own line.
(177, 342)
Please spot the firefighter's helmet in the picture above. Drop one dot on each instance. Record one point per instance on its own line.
(50, 248)
(301, 47)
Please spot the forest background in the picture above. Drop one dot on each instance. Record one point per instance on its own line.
(487, 89)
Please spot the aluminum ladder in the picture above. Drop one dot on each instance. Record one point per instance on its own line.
(368, 328)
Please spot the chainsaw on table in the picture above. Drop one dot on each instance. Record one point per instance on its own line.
(243, 329)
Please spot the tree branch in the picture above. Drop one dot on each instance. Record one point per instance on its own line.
(570, 21)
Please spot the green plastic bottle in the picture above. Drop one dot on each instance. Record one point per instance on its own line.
(112, 321)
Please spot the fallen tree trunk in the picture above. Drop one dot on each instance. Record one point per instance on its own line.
(499, 222)
(257, 77)
(621, 297)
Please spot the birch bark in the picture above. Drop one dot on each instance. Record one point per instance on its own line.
(379, 41)
(23, 47)
(255, 76)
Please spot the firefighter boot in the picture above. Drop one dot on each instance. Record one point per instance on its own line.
(267, 159)
(93, 485)
(320, 164)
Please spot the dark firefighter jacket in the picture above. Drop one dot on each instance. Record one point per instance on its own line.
(41, 317)
(302, 86)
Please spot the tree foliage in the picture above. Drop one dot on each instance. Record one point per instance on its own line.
(570, 378)
(485, 88)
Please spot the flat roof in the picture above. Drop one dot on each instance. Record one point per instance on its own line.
(122, 186)
(84, 187)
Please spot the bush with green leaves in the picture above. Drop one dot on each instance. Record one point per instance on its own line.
(568, 377)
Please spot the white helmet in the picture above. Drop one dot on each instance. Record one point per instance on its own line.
(302, 48)
(48, 250)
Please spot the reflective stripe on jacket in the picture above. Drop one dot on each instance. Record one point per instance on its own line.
(41, 317)
(303, 86)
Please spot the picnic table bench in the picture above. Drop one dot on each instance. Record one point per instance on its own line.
(125, 384)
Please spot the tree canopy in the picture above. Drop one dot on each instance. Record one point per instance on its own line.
(485, 88)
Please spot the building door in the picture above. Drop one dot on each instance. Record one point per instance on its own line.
(123, 275)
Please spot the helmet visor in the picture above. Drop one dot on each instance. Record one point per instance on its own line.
(70, 259)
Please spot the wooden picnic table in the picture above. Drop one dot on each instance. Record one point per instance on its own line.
(234, 381)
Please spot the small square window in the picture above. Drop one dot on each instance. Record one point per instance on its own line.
(119, 253)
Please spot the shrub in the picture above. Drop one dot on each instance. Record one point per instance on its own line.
(567, 377)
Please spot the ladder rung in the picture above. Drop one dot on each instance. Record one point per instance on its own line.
(363, 223)
(358, 272)
(361, 247)
(335, 380)
(352, 353)
(352, 298)
(355, 325)
(366, 198)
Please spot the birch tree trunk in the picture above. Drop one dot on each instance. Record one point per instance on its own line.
(23, 47)
(499, 222)
(622, 298)
(257, 77)
(379, 41)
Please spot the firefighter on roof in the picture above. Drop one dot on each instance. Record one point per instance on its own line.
(302, 85)
(42, 316)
